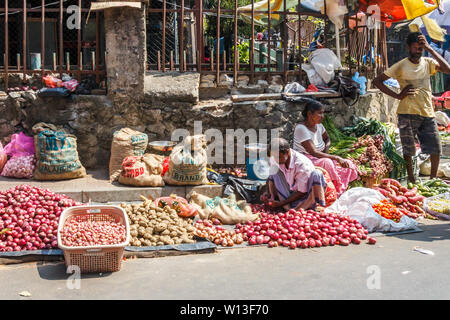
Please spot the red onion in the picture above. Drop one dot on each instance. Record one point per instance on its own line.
(27, 217)
(301, 229)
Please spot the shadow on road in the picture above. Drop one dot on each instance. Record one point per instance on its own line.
(435, 232)
(57, 271)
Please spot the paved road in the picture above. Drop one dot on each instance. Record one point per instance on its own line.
(260, 273)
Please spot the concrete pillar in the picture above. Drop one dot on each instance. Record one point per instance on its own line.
(126, 51)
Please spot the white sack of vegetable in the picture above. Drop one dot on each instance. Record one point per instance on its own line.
(187, 165)
(144, 171)
(227, 210)
(357, 204)
(442, 118)
(443, 170)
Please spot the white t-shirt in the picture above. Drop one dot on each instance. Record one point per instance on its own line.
(302, 133)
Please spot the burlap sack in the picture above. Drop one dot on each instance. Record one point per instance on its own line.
(227, 210)
(144, 171)
(126, 143)
(187, 165)
(56, 154)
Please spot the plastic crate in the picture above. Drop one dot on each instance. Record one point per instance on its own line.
(95, 258)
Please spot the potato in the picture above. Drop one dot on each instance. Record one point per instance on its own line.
(147, 235)
(169, 241)
(143, 223)
(165, 232)
(173, 234)
(161, 227)
(133, 233)
(137, 243)
(160, 243)
(149, 230)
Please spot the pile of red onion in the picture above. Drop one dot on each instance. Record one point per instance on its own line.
(79, 233)
(29, 218)
(302, 229)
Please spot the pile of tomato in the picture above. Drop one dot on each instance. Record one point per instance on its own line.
(388, 210)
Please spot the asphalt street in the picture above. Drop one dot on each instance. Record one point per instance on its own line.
(390, 269)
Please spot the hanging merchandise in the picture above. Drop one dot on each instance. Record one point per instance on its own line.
(434, 30)
(336, 10)
(417, 8)
(390, 10)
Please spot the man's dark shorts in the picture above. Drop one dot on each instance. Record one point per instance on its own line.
(426, 130)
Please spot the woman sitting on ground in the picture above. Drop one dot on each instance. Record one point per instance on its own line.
(312, 140)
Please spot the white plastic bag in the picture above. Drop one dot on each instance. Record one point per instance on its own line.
(325, 62)
(442, 118)
(443, 170)
(336, 10)
(357, 204)
(294, 87)
(313, 77)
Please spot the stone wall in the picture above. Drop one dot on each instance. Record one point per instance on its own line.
(126, 52)
(93, 119)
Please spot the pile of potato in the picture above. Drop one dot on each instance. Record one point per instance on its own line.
(154, 226)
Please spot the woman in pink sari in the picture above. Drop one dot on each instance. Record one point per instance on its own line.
(311, 139)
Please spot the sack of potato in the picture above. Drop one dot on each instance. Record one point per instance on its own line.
(226, 210)
(144, 171)
(187, 165)
(126, 143)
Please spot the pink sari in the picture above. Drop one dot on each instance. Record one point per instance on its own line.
(341, 176)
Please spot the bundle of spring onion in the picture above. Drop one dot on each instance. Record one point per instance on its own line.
(338, 139)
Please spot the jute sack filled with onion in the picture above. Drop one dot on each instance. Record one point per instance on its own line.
(144, 171)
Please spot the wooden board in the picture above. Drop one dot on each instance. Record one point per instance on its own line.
(278, 96)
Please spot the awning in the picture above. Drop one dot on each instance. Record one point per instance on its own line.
(400, 10)
(261, 18)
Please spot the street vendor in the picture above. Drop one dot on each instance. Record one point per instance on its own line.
(415, 110)
(296, 184)
(312, 140)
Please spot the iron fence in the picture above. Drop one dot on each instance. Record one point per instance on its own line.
(193, 36)
(40, 38)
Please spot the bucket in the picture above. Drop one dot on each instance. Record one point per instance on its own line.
(256, 162)
(35, 61)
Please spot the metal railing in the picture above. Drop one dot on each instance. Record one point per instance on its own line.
(38, 40)
(190, 56)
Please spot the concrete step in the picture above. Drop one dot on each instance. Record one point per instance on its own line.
(95, 187)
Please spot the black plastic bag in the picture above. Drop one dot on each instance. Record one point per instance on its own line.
(54, 92)
(348, 88)
(249, 190)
